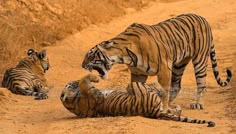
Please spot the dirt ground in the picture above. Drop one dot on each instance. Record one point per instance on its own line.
(21, 115)
(38, 23)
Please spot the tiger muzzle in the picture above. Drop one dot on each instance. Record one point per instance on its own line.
(63, 97)
(88, 67)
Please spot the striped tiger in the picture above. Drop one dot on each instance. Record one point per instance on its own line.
(161, 50)
(27, 78)
(83, 99)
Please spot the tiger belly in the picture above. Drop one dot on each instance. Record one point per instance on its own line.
(119, 103)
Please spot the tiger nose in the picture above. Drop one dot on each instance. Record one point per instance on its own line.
(83, 65)
(62, 96)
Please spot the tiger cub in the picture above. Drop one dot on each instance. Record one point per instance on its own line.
(83, 99)
(27, 78)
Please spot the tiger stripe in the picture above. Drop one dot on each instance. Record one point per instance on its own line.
(164, 50)
(139, 99)
(27, 78)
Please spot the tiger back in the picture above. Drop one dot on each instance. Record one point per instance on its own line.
(27, 78)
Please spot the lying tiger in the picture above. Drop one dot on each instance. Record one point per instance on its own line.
(27, 78)
(83, 99)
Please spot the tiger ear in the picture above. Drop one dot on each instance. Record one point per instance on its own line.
(42, 54)
(30, 51)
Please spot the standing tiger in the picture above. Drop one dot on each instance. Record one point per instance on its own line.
(163, 50)
(83, 99)
(27, 78)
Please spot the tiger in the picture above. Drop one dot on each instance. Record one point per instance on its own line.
(27, 78)
(161, 50)
(84, 100)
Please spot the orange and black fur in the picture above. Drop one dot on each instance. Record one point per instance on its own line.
(161, 50)
(27, 78)
(83, 99)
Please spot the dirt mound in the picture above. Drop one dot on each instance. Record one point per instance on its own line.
(4, 93)
(5, 97)
(38, 23)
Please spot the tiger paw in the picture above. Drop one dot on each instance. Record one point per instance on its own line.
(196, 106)
(41, 96)
(176, 111)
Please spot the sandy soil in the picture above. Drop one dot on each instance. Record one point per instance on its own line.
(39, 23)
(20, 114)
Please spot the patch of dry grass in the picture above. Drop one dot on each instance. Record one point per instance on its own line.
(38, 23)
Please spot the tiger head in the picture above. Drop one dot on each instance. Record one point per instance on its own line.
(81, 98)
(78, 88)
(70, 91)
(69, 95)
(42, 58)
(104, 55)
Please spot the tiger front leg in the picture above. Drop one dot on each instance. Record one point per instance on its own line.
(164, 78)
(40, 91)
(41, 96)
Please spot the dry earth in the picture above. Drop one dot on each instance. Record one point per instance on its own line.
(20, 114)
(39, 23)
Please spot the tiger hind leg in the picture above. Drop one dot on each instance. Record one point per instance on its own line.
(154, 87)
(28, 92)
(198, 103)
(177, 73)
(200, 68)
